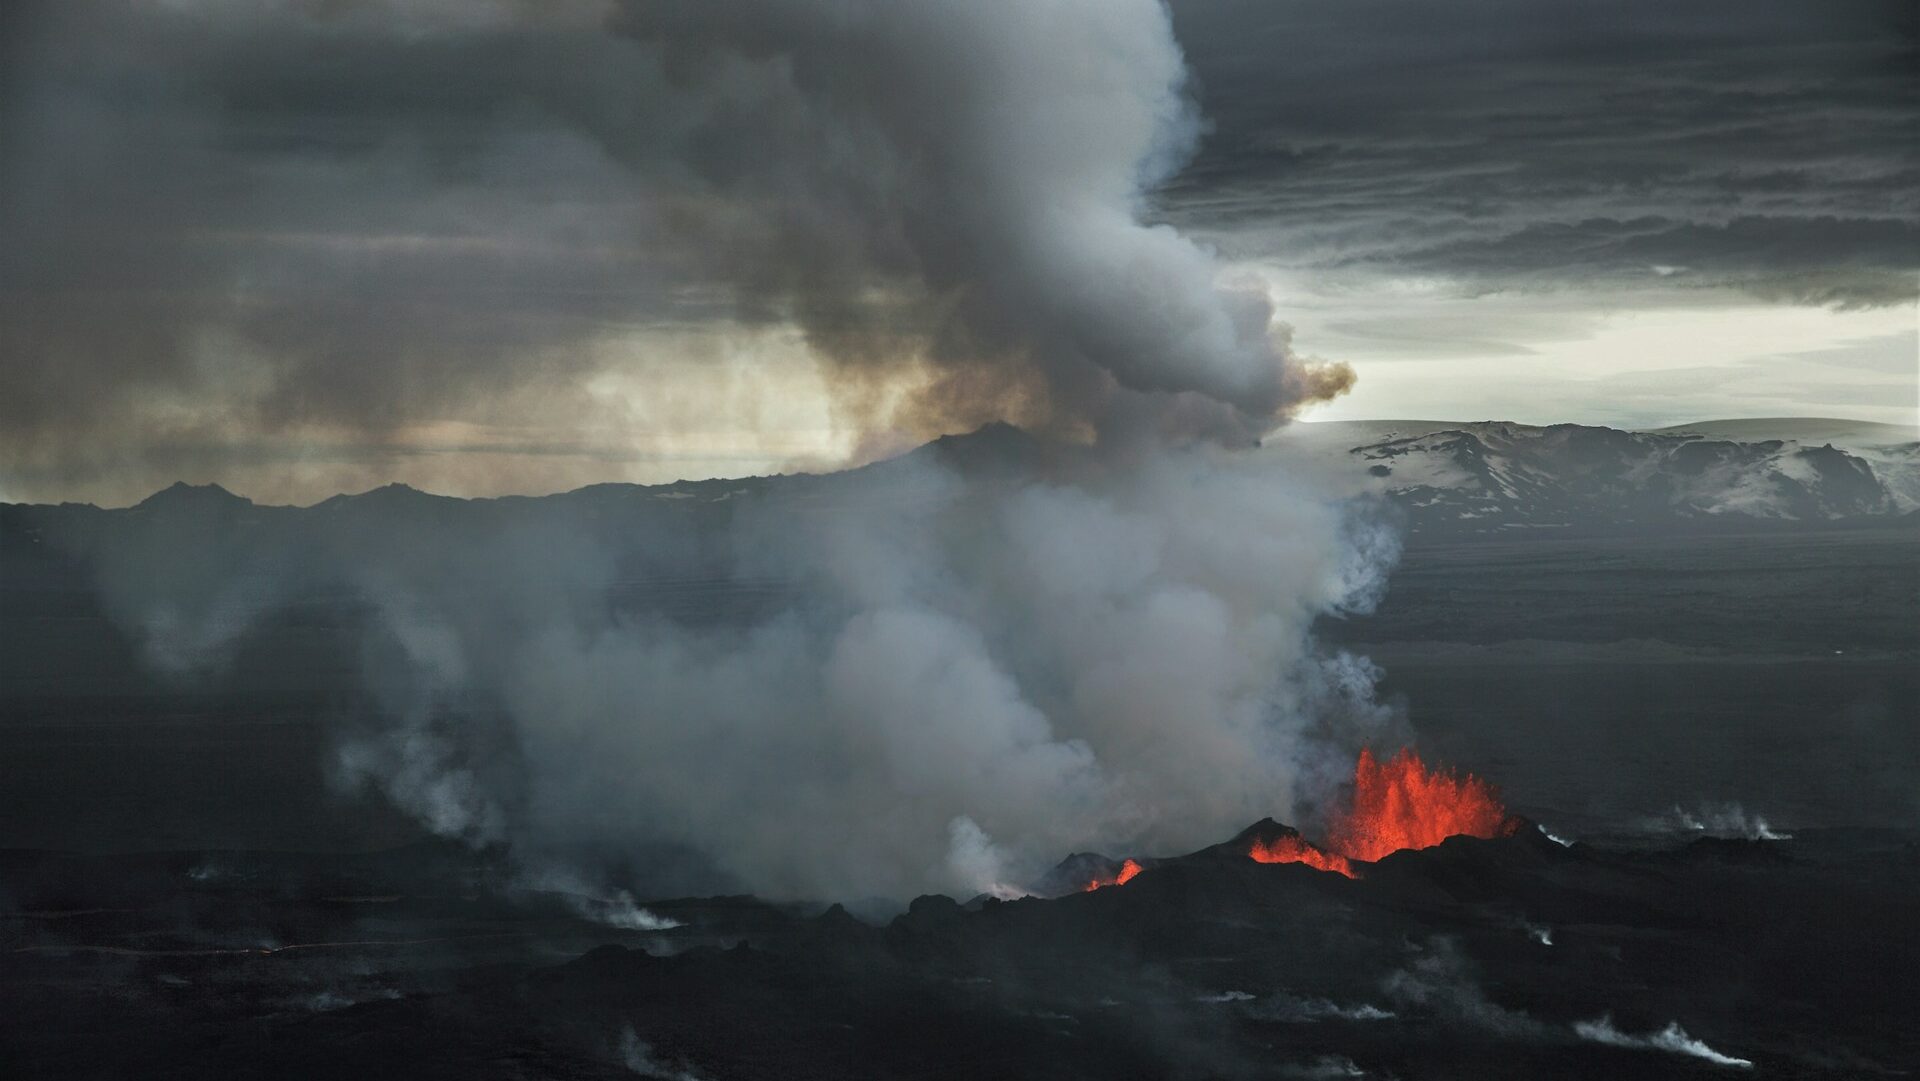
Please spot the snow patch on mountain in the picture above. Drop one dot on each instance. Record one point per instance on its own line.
(1494, 475)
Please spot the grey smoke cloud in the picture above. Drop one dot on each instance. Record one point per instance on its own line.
(227, 219)
(363, 214)
(967, 681)
(964, 156)
(918, 676)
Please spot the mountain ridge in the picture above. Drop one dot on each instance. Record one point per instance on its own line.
(1503, 475)
(1447, 477)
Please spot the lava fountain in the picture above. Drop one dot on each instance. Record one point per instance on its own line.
(1400, 803)
(1119, 878)
(1397, 804)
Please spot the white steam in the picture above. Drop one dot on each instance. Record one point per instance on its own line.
(1443, 980)
(1719, 820)
(975, 858)
(614, 909)
(1293, 1008)
(958, 694)
(638, 1055)
(1673, 1038)
(1324, 1068)
(982, 169)
(959, 675)
(947, 679)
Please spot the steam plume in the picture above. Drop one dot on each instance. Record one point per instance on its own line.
(965, 671)
(984, 177)
(946, 200)
(1672, 1038)
(963, 681)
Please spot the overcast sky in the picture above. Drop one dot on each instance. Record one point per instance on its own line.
(301, 247)
(1634, 213)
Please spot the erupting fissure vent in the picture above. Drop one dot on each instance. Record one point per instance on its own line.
(1119, 878)
(1400, 803)
(1397, 804)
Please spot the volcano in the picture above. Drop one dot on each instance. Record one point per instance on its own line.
(1396, 805)
(1416, 926)
(1128, 869)
(1400, 804)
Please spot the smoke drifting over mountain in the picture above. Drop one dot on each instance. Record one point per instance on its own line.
(232, 220)
(914, 676)
(961, 672)
(921, 675)
(973, 175)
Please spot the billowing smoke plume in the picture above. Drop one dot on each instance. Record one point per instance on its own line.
(978, 171)
(944, 671)
(328, 228)
(956, 682)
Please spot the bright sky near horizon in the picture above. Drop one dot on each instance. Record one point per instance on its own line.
(299, 248)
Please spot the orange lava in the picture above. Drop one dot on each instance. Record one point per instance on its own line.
(1295, 850)
(1127, 871)
(1397, 804)
(1400, 803)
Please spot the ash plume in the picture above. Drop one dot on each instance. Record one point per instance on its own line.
(987, 186)
(963, 681)
(247, 224)
(943, 676)
(964, 668)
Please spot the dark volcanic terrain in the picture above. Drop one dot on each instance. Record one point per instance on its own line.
(1517, 957)
(1721, 709)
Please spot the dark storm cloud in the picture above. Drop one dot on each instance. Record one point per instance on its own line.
(295, 221)
(1765, 146)
(1807, 260)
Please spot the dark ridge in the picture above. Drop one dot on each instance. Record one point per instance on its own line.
(183, 497)
(1265, 831)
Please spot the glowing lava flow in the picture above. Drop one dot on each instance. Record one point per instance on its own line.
(1295, 850)
(1397, 804)
(1125, 875)
(1400, 803)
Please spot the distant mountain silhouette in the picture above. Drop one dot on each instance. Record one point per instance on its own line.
(1449, 478)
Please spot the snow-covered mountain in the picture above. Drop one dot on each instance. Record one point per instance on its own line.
(1496, 475)
(1486, 477)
